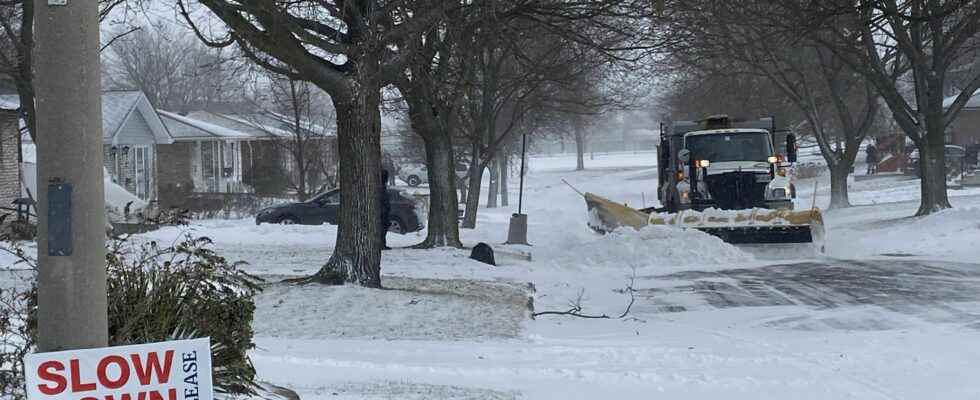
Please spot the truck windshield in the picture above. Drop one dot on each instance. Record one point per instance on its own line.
(721, 147)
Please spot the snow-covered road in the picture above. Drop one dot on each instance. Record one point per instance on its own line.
(889, 312)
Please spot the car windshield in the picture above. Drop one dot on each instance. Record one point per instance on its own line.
(720, 147)
(331, 197)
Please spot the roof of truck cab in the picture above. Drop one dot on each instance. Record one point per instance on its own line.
(718, 131)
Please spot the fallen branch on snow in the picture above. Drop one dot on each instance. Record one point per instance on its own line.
(575, 309)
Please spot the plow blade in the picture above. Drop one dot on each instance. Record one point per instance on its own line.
(755, 226)
(762, 234)
(606, 215)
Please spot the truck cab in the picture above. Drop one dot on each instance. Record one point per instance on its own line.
(725, 164)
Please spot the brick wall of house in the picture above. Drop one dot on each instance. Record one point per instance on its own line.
(966, 128)
(261, 168)
(174, 172)
(9, 164)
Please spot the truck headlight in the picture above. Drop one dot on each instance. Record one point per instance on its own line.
(684, 192)
(704, 163)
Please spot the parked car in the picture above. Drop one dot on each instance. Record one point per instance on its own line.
(417, 174)
(325, 207)
(955, 156)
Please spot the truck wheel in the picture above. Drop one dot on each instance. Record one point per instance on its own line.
(414, 181)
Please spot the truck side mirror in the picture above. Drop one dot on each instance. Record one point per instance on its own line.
(684, 155)
(791, 148)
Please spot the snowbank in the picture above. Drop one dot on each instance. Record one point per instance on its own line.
(116, 199)
(660, 247)
(949, 234)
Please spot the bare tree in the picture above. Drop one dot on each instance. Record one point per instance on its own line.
(349, 49)
(305, 136)
(899, 44)
(176, 72)
(432, 91)
(17, 43)
(839, 108)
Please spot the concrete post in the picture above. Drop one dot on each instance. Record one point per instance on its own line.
(71, 203)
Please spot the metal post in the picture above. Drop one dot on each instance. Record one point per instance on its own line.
(71, 201)
(520, 194)
(517, 231)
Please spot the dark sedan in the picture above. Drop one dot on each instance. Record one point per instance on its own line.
(325, 208)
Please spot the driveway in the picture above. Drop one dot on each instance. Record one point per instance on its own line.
(836, 294)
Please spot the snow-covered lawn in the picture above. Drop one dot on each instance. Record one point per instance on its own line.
(452, 328)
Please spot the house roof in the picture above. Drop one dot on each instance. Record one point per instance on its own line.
(973, 103)
(117, 108)
(275, 124)
(207, 125)
(187, 128)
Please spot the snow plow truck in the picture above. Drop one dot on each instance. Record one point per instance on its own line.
(729, 178)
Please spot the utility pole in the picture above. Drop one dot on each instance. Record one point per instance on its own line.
(71, 199)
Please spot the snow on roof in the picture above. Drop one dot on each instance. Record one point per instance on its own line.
(9, 102)
(229, 122)
(182, 127)
(718, 131)
(974, 101)
(117, 107)
(267, 126)
(274, 124)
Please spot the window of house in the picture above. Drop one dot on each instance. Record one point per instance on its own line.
(228, 159)
(142, 170)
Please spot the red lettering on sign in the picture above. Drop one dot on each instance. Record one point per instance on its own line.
(123, 372)
(46, 372)
(76, 379)
(145, 371)
(127, 396)
(171, 395)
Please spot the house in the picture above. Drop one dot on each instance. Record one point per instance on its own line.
(204, 157)
(131, 131)
(228, 152)
(965, 129)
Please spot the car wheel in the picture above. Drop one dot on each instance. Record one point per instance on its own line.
(414, 181)
(288, 220)
(396, 226)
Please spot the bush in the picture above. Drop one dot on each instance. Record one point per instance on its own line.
(17, 333)
(155, 294)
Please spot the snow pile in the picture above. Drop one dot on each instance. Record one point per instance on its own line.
(412, 309)
(948, 234)
(717, 217)
(116, 199)
(660, 247)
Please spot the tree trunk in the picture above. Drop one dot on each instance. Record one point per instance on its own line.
(462, 184)
(494, 183)
(838, 185)
(443, 204)
(357, 255)
(473, 191)
(932, 169)
(504, 171)
(579, 144)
